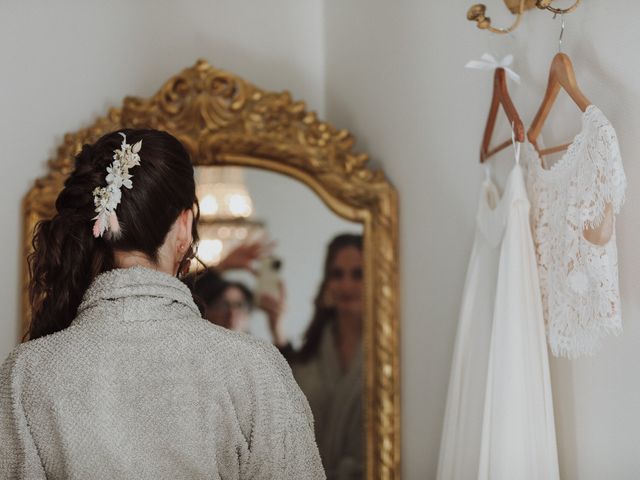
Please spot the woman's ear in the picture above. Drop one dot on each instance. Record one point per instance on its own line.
(185, 223)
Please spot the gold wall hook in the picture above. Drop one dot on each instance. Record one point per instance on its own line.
(477, 14)
(514, 5)
(546, 5)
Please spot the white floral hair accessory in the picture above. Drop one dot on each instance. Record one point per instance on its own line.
(106, 199)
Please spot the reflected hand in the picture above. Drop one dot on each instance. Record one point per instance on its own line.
(274, 307)
(243, 255)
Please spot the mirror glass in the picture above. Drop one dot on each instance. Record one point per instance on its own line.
(288, 270)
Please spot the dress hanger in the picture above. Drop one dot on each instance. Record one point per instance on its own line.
(500, 97)
(560, 75)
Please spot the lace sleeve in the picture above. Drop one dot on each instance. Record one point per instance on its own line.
(602, 180)
(592, 307)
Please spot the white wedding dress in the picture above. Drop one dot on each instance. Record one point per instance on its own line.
(499, 422)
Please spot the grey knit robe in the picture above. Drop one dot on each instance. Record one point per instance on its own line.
(140, 386)
(336, 400)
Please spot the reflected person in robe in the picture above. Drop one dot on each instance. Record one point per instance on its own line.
(229, 304)
(328, 367)
(222, 302)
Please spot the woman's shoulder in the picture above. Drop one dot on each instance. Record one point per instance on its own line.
(232, 354)
(27, 356)
(261, 362)
(253, 352)
(17, 365)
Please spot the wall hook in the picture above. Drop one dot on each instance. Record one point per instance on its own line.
(546, 5)
(477, 13)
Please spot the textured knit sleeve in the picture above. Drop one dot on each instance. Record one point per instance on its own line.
(301, 457)
(282, 442)
(18, 454)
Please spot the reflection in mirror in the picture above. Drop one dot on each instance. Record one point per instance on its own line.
(226, 213)
(286, 269)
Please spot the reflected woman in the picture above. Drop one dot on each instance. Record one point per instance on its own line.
(328, 367)
(229, 303)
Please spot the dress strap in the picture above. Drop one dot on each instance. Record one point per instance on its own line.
(516, 145)
(487, 172)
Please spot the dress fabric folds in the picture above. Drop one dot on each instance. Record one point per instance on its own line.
(499, 422)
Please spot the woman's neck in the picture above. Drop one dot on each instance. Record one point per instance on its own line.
(349, 327)
(349, 333)
(138, 259)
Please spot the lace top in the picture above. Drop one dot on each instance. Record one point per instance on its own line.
(578, 279)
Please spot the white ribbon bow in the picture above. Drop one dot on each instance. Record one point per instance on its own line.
(488, 62)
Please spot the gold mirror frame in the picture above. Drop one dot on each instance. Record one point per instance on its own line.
(224, 120)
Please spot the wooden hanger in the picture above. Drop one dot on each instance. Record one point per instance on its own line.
(560, 75)
(500, 97)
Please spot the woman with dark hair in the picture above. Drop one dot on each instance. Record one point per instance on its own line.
(223, 302)
(122, 378)
(328, 367)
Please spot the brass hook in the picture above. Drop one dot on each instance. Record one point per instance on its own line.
(546, 5)
(477, 13)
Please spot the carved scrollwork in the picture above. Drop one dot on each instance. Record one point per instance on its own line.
(224, 120)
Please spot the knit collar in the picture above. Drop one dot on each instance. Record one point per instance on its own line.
(136, 283)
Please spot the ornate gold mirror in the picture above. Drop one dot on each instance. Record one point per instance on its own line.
(226, 122)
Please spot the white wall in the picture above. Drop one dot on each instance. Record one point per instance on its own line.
(395, 78)
(65, 63)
